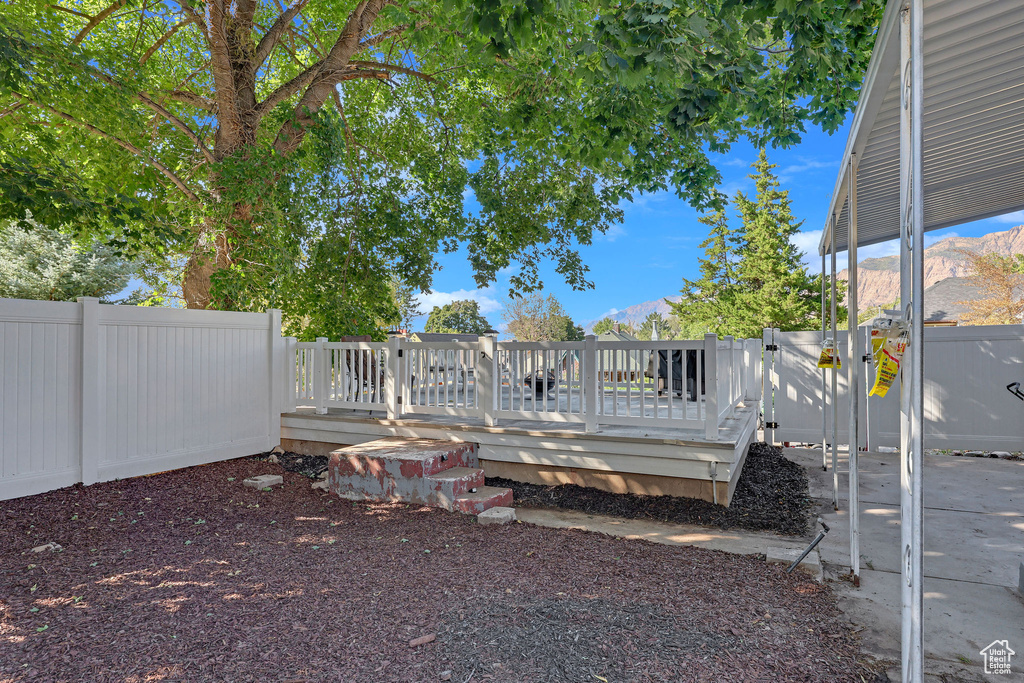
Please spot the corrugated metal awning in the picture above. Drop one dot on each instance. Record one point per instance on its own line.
(973, 122)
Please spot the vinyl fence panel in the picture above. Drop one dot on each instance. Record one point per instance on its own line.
(93, 392)
(967, 404)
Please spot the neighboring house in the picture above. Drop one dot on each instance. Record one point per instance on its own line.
(442, 337)
(619, 366)
(940, 300)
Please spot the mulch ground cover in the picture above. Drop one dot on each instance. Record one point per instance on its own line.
(189, 576)
(771, 495)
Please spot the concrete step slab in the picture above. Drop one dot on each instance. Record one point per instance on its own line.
(497, 515)
(484, 498)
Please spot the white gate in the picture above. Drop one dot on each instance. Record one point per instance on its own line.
(967, 404)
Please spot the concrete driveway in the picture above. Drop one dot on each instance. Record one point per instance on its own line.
(973, 549)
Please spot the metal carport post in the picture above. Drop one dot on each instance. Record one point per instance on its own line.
(824, 388)
(835, 374)
(853, 357)
(911, 298)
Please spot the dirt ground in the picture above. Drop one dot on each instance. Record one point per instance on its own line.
(188, 576)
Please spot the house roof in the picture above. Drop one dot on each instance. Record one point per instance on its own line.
(940, 300)
(612, 335)
(444, 337)
(973, 136)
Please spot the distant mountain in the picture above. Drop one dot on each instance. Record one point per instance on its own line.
(637, 312)
(878, 279)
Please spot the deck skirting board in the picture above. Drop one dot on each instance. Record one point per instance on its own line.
(640, 454)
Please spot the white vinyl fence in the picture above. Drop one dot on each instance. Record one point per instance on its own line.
(967, 404)
(674, 384)
(92, 392)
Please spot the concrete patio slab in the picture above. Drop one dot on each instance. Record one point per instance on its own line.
(730, 541)
(973, 546)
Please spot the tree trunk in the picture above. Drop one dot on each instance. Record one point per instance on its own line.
(211, 253)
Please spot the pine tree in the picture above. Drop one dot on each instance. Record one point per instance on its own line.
(776, 289)
(709, 302)
(46, 264)
(753, 277)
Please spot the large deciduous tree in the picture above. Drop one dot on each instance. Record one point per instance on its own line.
(299, 154)
(538, 318)
(1000, 280)
(461, 316)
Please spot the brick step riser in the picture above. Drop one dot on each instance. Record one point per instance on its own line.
(434, 492)
(421, 472)
(463, 455)
(502, 498)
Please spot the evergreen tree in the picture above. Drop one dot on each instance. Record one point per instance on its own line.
(406, 302)
(45, 264)
(708, 303)
(753, 277)
(774, 289)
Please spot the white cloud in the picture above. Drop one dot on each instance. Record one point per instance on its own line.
(787, 173)
(807, 242)
(730, 189)
(734, 161)
(612, 233)
(644, 199)
(1016, 218)
(485, 297)
(807, 165)
(929, 240)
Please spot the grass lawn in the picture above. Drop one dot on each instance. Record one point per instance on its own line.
(188, 576)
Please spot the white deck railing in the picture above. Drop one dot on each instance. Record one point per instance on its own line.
(675, 384)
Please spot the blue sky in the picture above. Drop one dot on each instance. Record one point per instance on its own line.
(647, 255)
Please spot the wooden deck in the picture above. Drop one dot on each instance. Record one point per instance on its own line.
(626, 449)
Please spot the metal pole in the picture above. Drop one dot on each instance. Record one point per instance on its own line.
(917, 332)
(853, 368)
(867, 388)
(824, 389)
(911, 288)
(835, 372)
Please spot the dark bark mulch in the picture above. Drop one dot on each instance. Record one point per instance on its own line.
(771, 495)
(188, 576)
(311, 466)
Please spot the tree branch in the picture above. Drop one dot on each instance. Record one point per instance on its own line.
(179, 124)
(163, 39)
(95, 21)
(168, 173)
(70, 11)
(223, 74)
(289, 88)
(11, 109)
(274, 33)
(319, 89)
(393, 67)
(384, 35)
(330, 78)
(189, 97)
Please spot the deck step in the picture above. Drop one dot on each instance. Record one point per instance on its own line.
(420, 471)
(450, 484)
(484, 498)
